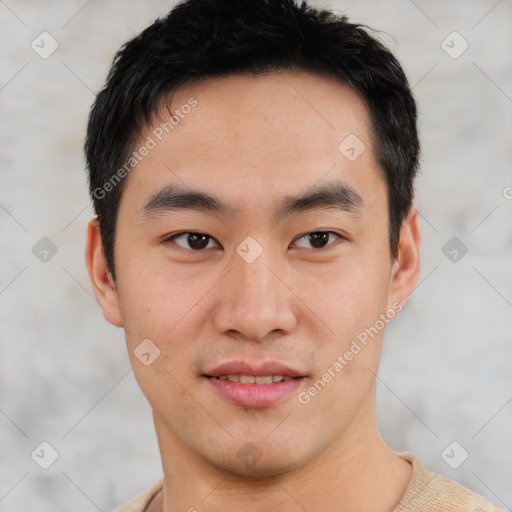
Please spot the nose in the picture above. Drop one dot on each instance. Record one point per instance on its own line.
(256, 303)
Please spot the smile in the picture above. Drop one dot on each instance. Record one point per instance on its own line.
(255, 392)
(258, 379)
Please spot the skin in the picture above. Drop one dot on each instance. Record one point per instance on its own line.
(251, 141)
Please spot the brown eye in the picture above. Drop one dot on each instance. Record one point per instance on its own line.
(317, 239)
(194, 241)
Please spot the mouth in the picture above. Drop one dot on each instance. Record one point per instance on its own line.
(255, 379)
(254, 386)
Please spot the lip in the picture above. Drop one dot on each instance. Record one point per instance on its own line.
(245, 368)
(255, 395)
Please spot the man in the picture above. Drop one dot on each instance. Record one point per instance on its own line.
(251, 165)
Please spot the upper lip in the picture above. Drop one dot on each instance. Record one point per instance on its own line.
(254, 369)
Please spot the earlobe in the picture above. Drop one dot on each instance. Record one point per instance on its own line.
(406, 266)
(102, 283)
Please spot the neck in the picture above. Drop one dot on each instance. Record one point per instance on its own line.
(357, 472)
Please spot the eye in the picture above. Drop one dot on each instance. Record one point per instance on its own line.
(317, 239)
(192, 240)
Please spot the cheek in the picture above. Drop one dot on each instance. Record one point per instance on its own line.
(168, 309)
(157, 300)
(348, 295)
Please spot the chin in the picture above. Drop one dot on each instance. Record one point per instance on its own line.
(257, 459)
(260, 470)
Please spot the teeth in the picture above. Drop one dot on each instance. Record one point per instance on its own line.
(263, 379)
(250, 379)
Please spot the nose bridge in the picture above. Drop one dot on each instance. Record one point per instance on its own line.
(256, 280)
(254, 301)
(255, 285)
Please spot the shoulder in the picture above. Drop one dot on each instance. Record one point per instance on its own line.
(141, 501)
(428, 492)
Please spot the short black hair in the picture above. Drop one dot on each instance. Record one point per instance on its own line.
(199, 39)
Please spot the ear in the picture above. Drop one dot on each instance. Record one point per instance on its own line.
(103, 285)
(406, 266)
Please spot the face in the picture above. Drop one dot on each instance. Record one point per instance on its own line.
(252, 254)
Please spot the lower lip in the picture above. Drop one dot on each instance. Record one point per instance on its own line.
(255, 395)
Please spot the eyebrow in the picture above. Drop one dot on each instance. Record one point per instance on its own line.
(334, 195)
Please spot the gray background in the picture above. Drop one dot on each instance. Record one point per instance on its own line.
(64, 374)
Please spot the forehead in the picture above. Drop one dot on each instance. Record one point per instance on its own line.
(286, 106)
(267, 134)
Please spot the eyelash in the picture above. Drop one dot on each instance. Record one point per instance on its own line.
(183, 233)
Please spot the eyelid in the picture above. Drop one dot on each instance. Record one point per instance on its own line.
(338, 235)
(182, 233)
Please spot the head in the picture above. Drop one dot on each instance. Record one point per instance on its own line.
(251, 166)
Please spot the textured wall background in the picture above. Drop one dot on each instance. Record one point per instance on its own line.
(64, 374)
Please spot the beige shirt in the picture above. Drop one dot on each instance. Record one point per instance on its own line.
(426, 492)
